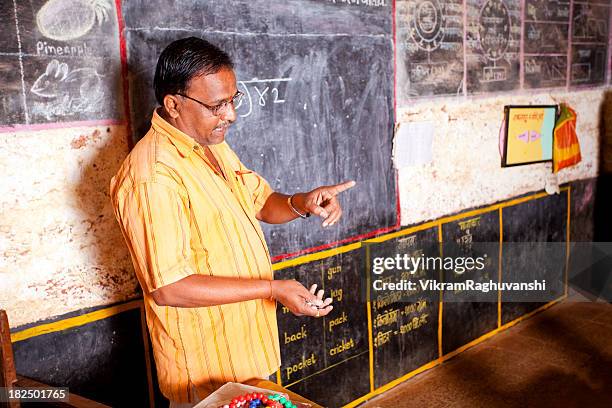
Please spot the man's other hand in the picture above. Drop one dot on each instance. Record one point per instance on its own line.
(322, 201)
(299, 300)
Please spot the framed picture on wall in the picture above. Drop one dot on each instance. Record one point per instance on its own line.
(528, 135)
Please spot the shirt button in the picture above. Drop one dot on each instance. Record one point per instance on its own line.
(196, 147)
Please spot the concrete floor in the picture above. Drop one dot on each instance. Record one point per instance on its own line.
(561, 357)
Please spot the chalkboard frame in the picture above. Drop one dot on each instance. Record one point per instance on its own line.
(506, 126)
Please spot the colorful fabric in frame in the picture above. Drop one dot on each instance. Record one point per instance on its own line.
(566, 149)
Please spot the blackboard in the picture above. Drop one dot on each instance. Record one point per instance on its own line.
(508, 45)
(582, 227)
(404, 323)
(588, 65)
(338, 385)
(534, 247)
(584, 255)
(546, 27)
(311, 346)
(62, 62)
(545, 37)
(319, 105)
(103, 360)
(467, 316)
(11, 103)
(589, 42)
(430, 48)
(545, 71)
(493, 36)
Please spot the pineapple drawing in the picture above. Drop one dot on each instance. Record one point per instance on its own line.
(65, 20)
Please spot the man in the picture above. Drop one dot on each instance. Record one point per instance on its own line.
(189, 211)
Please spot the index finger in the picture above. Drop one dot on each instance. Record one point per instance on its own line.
(339, 188)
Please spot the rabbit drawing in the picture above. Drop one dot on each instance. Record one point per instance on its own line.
(77, 89)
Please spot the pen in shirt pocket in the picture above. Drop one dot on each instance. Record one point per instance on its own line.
(241, 173)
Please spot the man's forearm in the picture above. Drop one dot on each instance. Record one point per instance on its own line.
(203, 290)
(321, 202)
(276, 210)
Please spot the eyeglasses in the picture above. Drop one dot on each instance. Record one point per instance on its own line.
(217, 109)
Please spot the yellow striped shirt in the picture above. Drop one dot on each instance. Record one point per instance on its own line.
(180, 217)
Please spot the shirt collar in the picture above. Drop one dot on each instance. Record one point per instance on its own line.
(184, 143)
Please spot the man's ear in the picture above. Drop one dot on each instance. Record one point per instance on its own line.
(172, 105)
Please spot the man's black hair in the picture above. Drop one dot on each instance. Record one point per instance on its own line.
(184, 59)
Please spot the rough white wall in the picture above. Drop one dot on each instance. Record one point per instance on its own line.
(60, 245)
(465, 170)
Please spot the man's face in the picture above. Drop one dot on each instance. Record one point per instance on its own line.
(198, 121)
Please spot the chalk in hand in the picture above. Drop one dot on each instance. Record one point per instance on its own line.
(314, 305)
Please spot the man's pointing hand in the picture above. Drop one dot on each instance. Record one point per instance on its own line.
(322, 201)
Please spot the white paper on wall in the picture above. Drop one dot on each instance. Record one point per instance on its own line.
(413, 144)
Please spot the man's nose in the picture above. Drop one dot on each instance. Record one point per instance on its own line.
(229, 113)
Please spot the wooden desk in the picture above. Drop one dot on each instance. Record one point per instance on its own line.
(269, 385)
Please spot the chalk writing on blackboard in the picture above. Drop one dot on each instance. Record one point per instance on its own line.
(589, 43)
(309, 346)
(545, 71)
(68, 61)
(43, 48)
(493, 39)
(430, 45)
(404, 322)
(260, 92)
(468, 315)
(545, 37)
